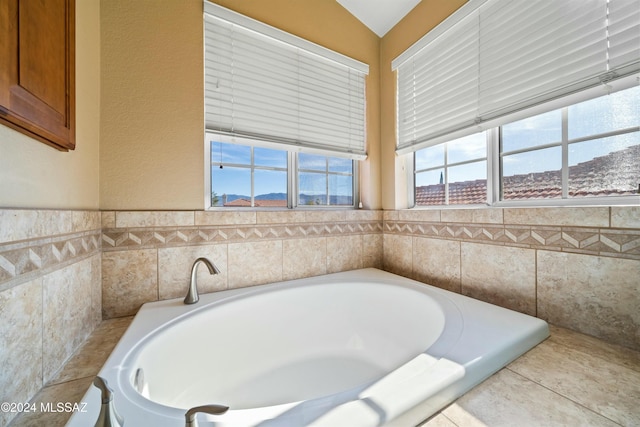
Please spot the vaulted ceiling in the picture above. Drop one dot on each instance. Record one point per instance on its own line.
(379, 15)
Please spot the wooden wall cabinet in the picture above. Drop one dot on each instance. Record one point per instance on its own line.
(37, 69)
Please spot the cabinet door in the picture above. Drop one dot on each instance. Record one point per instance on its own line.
(37, 69)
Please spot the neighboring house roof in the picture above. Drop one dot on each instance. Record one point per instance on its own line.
(617, 173)
(258, 203)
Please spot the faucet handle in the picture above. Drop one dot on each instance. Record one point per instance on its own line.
(190, 415)
(108, 416)
(105, 391)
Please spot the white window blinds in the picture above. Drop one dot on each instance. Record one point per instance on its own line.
(493, 59)
(270, 87)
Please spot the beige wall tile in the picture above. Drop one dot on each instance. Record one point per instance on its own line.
(53, 222)
(85, 220)
(437, 262)
(398, 254)
(126, 219)
(17, 224)
(304, 258)
(344, 253)
(254, 263)
(488, 216)
(174, 270)
(20, 344)
(67, 315)
(96, 289)
(363, 215)
(564, 215)
(372, 251)
(392, 215)
(129, 279)
(108, 219)
(22, 224)
(325, 216)
(595, 295)
(625, 216)
(475, 216)
(430, 215)
(280, 217)
(457, 215)
(225, 217)
(501, 275)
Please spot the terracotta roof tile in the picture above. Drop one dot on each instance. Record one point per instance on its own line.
(617, 173)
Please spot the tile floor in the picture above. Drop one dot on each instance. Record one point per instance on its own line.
(569, 380)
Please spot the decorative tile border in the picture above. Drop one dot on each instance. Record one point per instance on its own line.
(26, 259)
(619, 243)
(157, 237)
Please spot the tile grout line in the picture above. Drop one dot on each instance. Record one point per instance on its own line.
(561, 395)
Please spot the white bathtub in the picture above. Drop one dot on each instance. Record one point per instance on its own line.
(355, 349)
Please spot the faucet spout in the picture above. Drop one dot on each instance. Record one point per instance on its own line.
(192, 295)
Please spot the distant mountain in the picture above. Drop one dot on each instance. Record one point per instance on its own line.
(305, 199)
(272, 196)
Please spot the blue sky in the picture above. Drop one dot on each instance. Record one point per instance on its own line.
(233, 180)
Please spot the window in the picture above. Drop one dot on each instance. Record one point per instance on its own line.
(246, 176)
(325, 181)
(452, 173)
(589, 150)
(531, 75)
(284, 118)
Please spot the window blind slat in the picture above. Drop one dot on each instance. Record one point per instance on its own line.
(550, 45)
(624, 33)
(435, 84)
(495, 59)
(263, 87)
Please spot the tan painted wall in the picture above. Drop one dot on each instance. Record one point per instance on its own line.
(33, 175)
(140, 107)
(424, 17)
(151, 152)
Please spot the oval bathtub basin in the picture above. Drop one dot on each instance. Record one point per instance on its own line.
(360, 348)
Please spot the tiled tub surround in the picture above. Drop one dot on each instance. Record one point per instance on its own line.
(147, 256)
(50, 295)
(576, 267)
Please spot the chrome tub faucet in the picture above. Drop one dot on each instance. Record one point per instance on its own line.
(108, 416)
(190, 415)
(192, 295)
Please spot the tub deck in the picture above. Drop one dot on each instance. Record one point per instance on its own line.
(395, 319)
(513, 396)
(536, 367)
